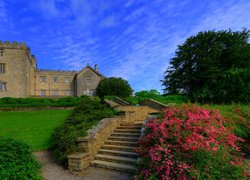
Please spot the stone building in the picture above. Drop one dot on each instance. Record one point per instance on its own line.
(19, 76)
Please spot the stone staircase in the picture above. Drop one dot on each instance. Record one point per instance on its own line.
(117, 152)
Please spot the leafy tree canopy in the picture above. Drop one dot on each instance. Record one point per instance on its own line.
(213, 66)
(113, 87)
(148, 94)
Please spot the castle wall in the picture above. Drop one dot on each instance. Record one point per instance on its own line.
(56, 83)
(16, 76)
(21, 78)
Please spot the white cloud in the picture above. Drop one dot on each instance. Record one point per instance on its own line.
(227, 15)
(138, 50)
(5, 22)
(108, 21)
(49, 7)
(129, 3)
(156, 44)
(135, 14)
(3, 15)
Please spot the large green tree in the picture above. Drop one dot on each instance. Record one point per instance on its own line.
(213, 66)
(113, 87)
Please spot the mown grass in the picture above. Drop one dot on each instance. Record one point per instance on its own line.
(32, 127)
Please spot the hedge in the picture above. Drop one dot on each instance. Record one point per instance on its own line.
(17, 161)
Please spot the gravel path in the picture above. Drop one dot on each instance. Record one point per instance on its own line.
(52, 171)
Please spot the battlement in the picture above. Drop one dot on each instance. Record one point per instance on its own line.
(13, 45)
(56, 71)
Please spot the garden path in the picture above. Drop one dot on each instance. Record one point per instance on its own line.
(52, 171)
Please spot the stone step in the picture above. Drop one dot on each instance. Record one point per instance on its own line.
(134, 125)
(112, 165)
(130, 127)
(116, 159)
(125, 134)
(122, 143)
(118, 153)
(124, 138)
(128, 130)
(118, 147)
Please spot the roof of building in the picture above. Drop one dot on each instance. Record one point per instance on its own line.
(88, 66)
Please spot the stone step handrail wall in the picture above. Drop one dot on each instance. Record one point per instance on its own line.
(90, 144)
(98, 134)
(154, 104)
(120, 101)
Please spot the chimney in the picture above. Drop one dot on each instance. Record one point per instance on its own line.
(96, 67)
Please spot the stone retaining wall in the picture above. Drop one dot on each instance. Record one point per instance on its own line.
(90, 144)
(153, 104)
(121, 101)
(98, 134)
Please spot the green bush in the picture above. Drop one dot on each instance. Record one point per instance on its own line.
(38, 102)
(154, 94)
(87, 114)
(113, 87)
(16, 161)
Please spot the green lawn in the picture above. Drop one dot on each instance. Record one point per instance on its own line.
(32, 127)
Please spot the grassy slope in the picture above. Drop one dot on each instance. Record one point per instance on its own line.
(33, 127)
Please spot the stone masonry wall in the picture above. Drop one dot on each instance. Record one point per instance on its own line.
(97, 135)
(87, 80)
(24, 79)
(16, 73)
(153, 104)
(63, 86)
(92, 143)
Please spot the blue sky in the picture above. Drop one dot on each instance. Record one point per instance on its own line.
(132, 39)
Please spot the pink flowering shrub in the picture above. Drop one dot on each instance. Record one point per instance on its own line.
(190, 143)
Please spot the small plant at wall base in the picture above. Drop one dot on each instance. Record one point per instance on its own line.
(190, 142)
(17, 161)
(113, 87)
(87, 114)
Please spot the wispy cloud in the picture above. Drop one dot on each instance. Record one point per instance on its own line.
(135, 14)
(3, 16)
(156, 44)
(129, 3)
(227, 15)
(108, 21)
(5, 20)
(133, 39)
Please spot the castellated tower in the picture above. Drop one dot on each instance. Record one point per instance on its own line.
(16, 70)
(19, 76)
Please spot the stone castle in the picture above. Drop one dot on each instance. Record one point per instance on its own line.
(19, 76)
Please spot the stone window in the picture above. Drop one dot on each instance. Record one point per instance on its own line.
(55, 92)
(43, 92)
(55, 79)
(88, 92)
(88, 79)
(66, 80)
(3, 86)
(1, 52)
(2, 68)
(67, 92)
(42, 78)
